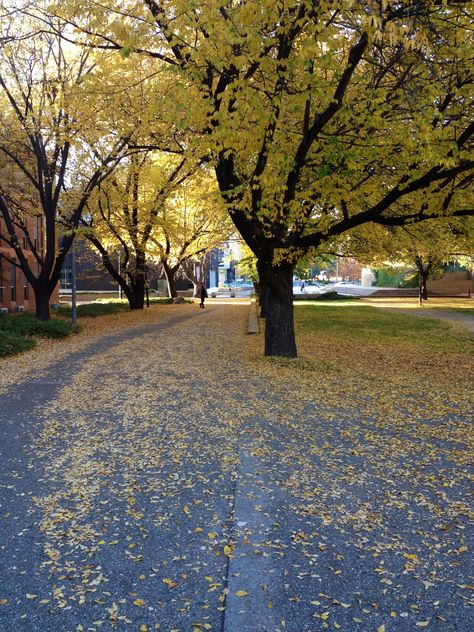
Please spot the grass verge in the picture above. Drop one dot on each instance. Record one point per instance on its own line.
(91, 310)
(106, 306)
(364, 324)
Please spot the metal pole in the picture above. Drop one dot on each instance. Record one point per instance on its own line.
(119, 271)
(73, 283)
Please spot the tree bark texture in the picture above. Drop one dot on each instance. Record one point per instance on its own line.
(136, 293)
(42, 298)
(277, 292)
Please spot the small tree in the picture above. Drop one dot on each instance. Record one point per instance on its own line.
(195, 269)
(426, 246)
(124, 215)
(52, 142)
(193, 222)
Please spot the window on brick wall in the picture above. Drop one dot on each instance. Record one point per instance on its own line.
(66, 278)
(26, 289)
(12, 282)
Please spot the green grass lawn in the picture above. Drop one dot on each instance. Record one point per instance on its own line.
(105, 306)
(91, 310)
(362, 323)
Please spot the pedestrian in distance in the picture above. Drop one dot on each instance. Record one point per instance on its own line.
(203, 295)
(302, 287)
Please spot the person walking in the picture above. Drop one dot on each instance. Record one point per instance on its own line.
(203, 295)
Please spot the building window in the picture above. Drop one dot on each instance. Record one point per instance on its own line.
(26, 289)
(66, 278)
(12, 282)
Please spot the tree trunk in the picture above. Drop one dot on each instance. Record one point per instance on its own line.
(277, 292)
(424, 289)
(42, 298)
(263, 299)
(136, 294)
(188, 270)
(170, 273)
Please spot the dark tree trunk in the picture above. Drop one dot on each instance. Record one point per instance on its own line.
(134, 288)
(42, 298)
(263, 299)
(424, 289)
(136, 294)
(276, 287)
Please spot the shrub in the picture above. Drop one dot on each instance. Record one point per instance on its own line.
(94, 309)
(54, 328)
(390, 277)
(18, 332)
(21, 325)
(163, 300)
(327, 296)
(11, 344)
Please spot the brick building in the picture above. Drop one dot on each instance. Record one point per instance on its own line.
(15, 292)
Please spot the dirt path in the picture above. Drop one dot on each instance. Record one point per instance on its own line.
(159, 479)
(466, 320)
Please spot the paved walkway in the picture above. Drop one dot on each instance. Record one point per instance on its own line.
(157, 480)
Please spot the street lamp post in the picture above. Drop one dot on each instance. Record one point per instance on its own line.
(73, 283)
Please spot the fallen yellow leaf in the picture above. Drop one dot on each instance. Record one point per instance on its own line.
(138, 602)
(169, 582)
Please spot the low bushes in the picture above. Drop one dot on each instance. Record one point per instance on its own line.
(18, 332)
(94, 309)
(326, 296)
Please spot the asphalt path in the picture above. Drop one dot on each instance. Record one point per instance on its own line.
(156, 480)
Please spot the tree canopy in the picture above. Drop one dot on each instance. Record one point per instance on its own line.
(318, 116)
